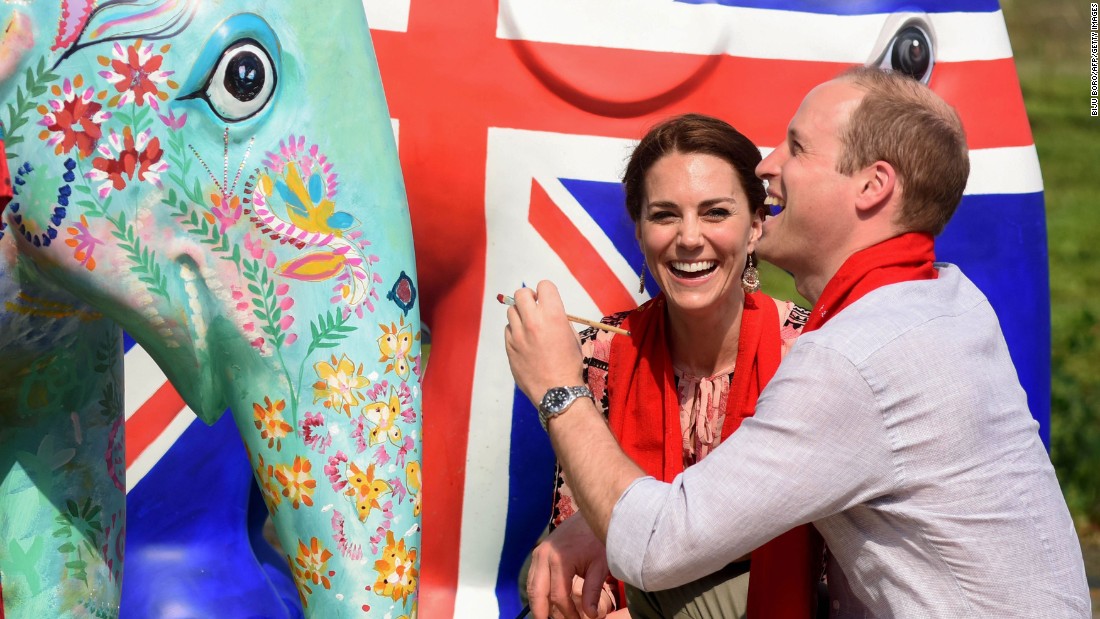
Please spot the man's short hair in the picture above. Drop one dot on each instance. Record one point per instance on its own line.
(902, 122)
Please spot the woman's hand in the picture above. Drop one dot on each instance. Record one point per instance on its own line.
(606, 606)
(568, 570)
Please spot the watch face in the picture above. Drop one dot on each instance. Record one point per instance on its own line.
(556, 398)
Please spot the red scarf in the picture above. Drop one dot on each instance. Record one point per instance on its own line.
(904, 258)
(784, 572)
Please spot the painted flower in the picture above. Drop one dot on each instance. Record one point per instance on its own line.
(346, 548)
(380, 531)
(265, 478)
(135, 71)
(314, 433)
(269, 421)
(406, 448)
(338, 384)
(361, 434)
(83, 243)
(334, 472)
(298, 484)
(74, 119)
(395, 344)
(254, 247)
(226, 211)
(367, 489)
(397, 573)
(310, 567)
(123, 157)
(171, 121)
(308, 159)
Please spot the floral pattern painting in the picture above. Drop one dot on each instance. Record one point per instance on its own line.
(173, 168)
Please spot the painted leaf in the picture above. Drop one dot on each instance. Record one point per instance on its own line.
(314, 267)
(316, 188)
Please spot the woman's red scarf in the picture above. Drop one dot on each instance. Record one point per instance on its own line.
(785, 571)
(640, 374)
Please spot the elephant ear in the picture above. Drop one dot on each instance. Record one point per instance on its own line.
(83, 24)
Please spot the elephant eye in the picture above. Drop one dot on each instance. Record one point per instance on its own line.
(242, 82)
(237, 71)
(910, 52)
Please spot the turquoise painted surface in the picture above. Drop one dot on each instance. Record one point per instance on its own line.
(221, 180)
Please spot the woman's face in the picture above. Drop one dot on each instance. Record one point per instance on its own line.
(696, 230)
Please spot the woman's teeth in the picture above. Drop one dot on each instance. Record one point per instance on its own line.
(693, 268)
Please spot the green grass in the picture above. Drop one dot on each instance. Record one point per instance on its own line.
(1068, 141)
(1050, 41)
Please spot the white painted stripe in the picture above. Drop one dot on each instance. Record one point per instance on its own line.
(1004, 170)
(970, 36)
(160, 446)
(390, 15)
(667, 26)
(516, 254)
(142, 379)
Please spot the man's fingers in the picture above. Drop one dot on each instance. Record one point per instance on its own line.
(549, 297)
(515, 323)
(575, 594)
(594, 578)
(524, 299)
(561, 591)
(538, 585)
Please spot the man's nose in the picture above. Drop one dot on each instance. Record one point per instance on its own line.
(769, 166)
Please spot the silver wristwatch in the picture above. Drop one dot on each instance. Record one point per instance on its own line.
(558, 399)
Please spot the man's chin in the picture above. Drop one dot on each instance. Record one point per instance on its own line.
(766, 253)
(763, 251)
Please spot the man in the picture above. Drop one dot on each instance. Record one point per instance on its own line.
(896, 425)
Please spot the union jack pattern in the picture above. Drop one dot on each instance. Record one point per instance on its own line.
(514, 120)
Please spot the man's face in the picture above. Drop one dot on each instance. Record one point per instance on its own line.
(813, 199)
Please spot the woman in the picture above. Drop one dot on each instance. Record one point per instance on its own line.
(699, 353)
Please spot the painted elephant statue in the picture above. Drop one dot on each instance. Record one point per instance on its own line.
(220, 179)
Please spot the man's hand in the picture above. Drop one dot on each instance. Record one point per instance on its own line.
(543, 350)
(572, 550)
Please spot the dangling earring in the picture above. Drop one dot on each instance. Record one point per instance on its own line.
(750, 277)
(641, 278)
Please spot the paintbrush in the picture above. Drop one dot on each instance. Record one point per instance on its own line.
(506, 300)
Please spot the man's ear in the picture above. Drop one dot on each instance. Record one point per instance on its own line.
(878, 186)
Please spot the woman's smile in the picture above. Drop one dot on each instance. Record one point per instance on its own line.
(696, 270)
